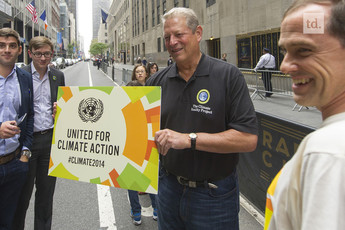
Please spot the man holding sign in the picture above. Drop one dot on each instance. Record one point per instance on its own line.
(45, 82)
(207, 119)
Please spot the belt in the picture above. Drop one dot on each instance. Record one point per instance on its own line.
(7, 158)
(43, 132)
(190, 183)
(194, 184)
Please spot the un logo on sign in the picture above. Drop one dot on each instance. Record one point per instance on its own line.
(90, 109)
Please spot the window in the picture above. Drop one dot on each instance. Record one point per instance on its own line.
(158, 12)
(175, 3)
(146, 15)
(249, 48)
(159, 45)
(210, 2)
(138, 23)
(164, 47)
(158, 15)
(186, 3)
(153, 13)
(142, 15)
(164, 6)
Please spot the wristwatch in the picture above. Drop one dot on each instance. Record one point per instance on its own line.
(26, 153)
(193, 137)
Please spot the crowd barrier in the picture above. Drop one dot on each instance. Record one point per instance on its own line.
(281, 83)
(126, 75)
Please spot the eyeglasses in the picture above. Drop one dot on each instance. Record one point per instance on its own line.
(139, 71)
(39, 54)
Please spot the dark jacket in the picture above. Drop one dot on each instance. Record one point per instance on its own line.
(26, 106)
(56, 79)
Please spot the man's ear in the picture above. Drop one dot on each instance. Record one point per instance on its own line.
(20, 50)
(198, 32)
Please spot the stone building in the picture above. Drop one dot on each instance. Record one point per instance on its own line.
(239, 28)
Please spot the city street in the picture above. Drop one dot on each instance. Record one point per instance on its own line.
(79, 205)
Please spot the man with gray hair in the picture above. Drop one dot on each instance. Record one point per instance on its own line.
(207, 118)
(309, 191)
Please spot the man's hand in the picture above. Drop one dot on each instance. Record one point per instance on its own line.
(166, 139)
(54, 110)
(9, 129)
(24, 158)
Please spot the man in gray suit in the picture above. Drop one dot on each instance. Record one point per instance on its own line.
(46, 81)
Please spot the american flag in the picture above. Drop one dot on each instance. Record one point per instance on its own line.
(31, 7)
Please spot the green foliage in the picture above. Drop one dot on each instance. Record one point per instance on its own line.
(98, 48)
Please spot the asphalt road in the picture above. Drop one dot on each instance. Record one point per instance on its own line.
(80, 205)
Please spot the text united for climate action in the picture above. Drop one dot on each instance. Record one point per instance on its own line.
(85, 146)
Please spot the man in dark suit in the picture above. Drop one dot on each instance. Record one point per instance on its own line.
(45, 83)
(16, 125)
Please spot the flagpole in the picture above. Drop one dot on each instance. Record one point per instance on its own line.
(39, 27)
(44, 32)
(24, 36)
(33, 29)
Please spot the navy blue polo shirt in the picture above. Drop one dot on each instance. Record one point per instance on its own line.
(215, 99)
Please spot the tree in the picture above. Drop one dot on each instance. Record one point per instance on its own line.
(98, 48)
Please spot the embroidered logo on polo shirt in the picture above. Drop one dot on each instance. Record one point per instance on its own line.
(203, 96)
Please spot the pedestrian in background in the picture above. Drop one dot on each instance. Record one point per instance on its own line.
(139, 76)
(99, 61)
(152, 68)
(170, 61)
(46, 81)
(224, 57)
(207, 118)
(267, 63)
(144, 62)
(16, 125)
(309, 191)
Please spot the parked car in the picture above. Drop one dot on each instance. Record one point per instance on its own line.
(20, 64)
(68, 62)
(60, 62)
(54, 65)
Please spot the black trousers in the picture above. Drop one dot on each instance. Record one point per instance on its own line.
(266, 78)
(45, 185)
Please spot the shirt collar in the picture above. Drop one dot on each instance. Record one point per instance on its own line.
(203, 68)
(33, 69)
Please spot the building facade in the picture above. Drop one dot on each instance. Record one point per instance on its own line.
(235, 27)
(97, 5)
(13, 14)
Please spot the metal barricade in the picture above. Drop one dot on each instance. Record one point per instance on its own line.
(281, 83)
(126, 75)
(104, 67)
